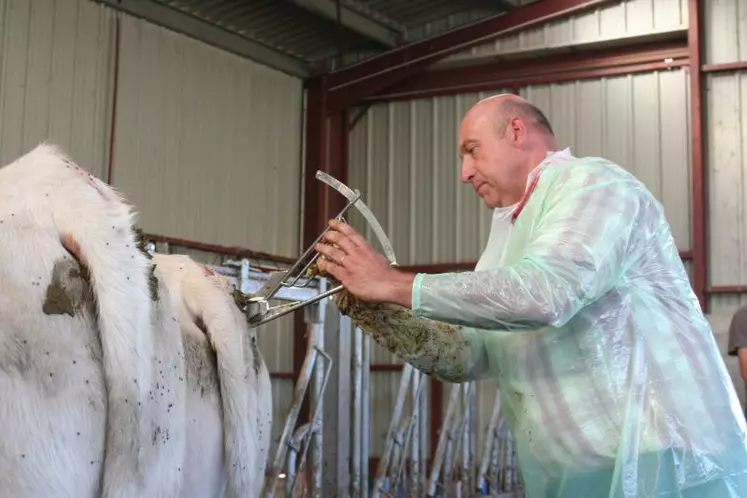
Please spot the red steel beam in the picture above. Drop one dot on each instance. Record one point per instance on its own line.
(325, 150)
(727, 289)
(386, 367)
(338, 167)
(725, 67)
(283, 375)
(315, 158)
(699, 190)
(353, 83)
(517, 73)
(240, 252)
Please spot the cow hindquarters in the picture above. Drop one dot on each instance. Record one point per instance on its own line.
(52, 394)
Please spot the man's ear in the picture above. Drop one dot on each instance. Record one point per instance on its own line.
(516, 130)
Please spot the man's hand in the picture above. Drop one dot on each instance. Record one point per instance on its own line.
(365, 273)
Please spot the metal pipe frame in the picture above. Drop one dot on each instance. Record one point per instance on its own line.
(444, 437)
(312, 373)
(384, 463)
(295, 446)
(357, 483)
(487, 450)
(365, 413)
(407, 437)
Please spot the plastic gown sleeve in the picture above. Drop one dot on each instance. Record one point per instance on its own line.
(577, 249)
(448, 352)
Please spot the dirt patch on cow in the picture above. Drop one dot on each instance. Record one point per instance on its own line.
(57, 302)
(153, 283)
(256, 356)
(202, 365)
(70, 290)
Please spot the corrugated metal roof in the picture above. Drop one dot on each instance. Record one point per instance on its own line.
(413, 13)
(282, 25)
(308, 31)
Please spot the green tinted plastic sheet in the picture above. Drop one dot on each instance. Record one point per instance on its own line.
(610, 377)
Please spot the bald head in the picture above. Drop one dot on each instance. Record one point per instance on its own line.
(509, 108)
(506, 106)
(501, 139)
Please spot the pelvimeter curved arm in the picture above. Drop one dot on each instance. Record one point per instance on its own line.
(303, 272)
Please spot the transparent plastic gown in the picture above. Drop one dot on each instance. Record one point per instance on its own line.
(610, 377)
(609, 373)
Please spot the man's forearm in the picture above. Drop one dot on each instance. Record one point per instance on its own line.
(435, 348)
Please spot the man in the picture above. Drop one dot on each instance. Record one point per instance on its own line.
(738, 340)
(609, 374)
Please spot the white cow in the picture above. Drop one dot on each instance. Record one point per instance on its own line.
(120, 376)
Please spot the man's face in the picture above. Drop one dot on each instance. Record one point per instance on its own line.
(492, 164)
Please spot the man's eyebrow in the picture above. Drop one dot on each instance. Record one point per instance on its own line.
(465, 144)
(462, 151)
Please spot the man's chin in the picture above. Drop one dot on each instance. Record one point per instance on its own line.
(490, 202)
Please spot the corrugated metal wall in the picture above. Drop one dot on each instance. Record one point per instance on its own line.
(207, 144)
(55, 78)
(725, 31)
(725, 26)
(639, 121)
(627, 19)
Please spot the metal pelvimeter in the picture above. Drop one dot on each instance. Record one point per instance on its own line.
(303, 272)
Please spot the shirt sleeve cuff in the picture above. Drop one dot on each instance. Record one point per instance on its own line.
(416, 289)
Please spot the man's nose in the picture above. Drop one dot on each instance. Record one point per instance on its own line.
(467, 170)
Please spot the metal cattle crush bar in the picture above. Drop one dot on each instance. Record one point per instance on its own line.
(337, 371)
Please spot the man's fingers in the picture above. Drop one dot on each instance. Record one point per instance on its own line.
(331, 268)
(330, 252)
(340, 240)
(350, 232)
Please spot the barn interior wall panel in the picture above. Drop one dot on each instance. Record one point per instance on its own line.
(626, 19)
(724, 31)
(207, 144)
(639, 121)
(55, 79)
(725, 113)
(726, 152)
